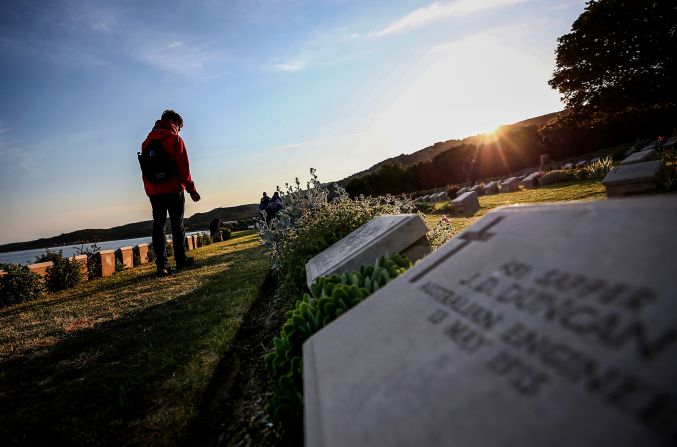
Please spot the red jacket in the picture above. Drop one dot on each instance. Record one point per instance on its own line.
(173, 144)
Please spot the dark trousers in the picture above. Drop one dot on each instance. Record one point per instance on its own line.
(173, 204)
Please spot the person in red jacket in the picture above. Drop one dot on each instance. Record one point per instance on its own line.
(166, 194)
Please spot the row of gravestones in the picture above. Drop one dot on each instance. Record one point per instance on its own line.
(107, 258)
(639, 172)
(538, 325)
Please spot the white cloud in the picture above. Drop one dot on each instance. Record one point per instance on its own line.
(187, 59)
(439, 11)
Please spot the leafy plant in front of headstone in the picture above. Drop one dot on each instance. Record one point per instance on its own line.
(557, 176)
(19, 285)
(93, 259)
(49, 255)
(329, 297)
(119, 266)
(65, 273)
(309, 223)
(599, 168)
(205, 239)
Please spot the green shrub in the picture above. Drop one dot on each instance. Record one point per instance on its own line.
(93, 260)
(19, 285)
(119, 266)
(65, 273)
(598, 169)
(204, 239)
(225, 233)
(330, 296)
(557, 176)
(49, 255)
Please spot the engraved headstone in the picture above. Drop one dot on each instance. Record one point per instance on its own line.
(491, 188)
(531, 180)
(477, 189)
(107, 261)
(466, 204)
(141, 251)
(639, 157)
(510, 185)
(402, 233)
(125, 256)
(633, 178)
(551, 325)
(40, 268)
(82, 260)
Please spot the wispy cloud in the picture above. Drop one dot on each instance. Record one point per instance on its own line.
(180, 57)
(322, 50)
(291, 146)
(439, 11)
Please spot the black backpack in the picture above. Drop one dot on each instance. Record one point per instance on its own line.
(156, 165)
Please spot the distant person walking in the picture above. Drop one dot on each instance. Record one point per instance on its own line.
(166, 173)
(274, 206)
(265, 200)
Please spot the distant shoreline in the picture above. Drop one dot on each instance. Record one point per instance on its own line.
(197, 222)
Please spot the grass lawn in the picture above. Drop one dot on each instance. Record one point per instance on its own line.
(580, 190)
(125, 359)
(133, 359)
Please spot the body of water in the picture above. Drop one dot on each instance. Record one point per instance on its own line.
(28, 256)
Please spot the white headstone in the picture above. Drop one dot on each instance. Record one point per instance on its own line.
(581, 163)
(594, 160)
(477, 189)
(402, 233)
(531, 180)
(466, 204)
(633, 178)
(511, 184)
(461, 191)
(491, 187)
(551, 325)
(639, 157)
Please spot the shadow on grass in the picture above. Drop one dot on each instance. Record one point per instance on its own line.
(93, 387)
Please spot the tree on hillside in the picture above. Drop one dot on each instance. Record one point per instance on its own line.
(619, 60)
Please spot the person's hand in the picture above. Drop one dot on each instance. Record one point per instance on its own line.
(195, 196)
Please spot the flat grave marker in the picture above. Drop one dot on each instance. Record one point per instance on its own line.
(531, 180)
(466, 204)
(550, 325)
(511, 184)
(402, 233)
(639, 157)
(491, 188)
(633, 178)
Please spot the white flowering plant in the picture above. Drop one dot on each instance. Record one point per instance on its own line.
(314, 218)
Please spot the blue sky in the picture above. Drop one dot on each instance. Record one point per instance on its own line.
(267, 89)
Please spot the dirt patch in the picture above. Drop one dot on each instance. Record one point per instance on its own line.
(233, 410)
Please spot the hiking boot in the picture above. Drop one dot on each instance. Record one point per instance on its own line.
(168, 271)
(188, 262)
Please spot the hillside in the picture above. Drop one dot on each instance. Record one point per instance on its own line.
(198, 221)
(430, 152)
